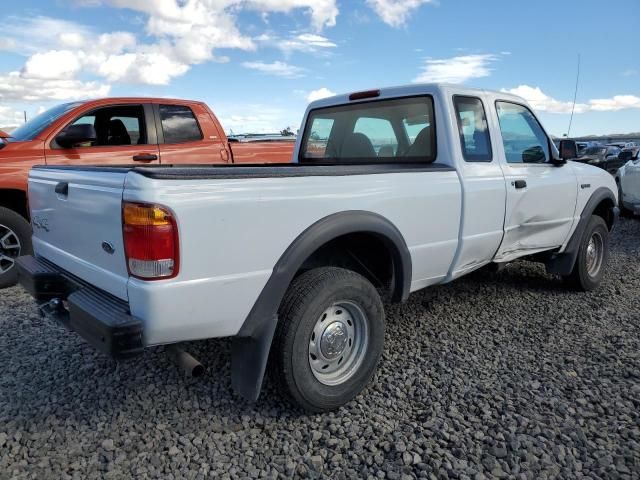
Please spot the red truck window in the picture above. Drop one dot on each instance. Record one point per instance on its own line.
(179, 124)
(119, 125)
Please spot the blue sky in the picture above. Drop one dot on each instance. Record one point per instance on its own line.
(257, 63)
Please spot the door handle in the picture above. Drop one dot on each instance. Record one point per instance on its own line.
(145, 157)
(520, 184)
(62, 188)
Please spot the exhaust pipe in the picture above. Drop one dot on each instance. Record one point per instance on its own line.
(189, 365)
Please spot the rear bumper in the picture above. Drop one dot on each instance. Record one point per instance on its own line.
(103, 320)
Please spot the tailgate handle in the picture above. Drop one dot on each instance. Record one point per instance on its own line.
(145, 157)
(62, 188)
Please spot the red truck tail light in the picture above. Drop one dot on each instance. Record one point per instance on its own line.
(150, 241)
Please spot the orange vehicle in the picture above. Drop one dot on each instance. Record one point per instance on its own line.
(112, 131)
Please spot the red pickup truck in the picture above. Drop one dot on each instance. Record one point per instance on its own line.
(107, 132)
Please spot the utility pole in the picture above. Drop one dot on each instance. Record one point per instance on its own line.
(25, 116)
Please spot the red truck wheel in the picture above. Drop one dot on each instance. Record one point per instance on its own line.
(15, 240)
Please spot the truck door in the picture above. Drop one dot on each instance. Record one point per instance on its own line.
(125, 134)
(541, 197)
(187, 136)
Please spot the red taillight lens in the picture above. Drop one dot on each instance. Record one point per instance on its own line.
(150, 241)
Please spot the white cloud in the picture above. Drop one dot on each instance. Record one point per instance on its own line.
(51, 65)
(618, 102)
(396, 12)
(15, 87)
(10, 117)
(544, 103)
(280, 69)
(182, 33)
(305, 42)
(457, 69)
(319, 94)
(7, 43)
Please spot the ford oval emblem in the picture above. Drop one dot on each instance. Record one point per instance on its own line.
(108, 247)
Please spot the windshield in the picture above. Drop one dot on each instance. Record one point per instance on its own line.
(33, 127)
(594, 150)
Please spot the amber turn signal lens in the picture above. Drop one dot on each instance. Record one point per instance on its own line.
(149, 215)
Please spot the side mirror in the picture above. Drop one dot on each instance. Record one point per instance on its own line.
(75, 134)
(568, 150)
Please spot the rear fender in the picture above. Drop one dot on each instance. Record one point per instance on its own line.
(250, 348)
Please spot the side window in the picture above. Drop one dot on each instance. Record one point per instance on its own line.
(119, 125)
(319, 137)
(523, 138)
(473, 130)
(381, 134)
(179, 125)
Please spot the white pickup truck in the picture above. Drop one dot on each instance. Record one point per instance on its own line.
(392, 191)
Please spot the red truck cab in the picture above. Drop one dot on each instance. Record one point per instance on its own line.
(112, 131)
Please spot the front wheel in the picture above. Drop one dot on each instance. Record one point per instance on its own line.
(329, 339)
(592, 256)
(15, 240)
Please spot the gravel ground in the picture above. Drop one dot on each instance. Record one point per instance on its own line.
(498, 375)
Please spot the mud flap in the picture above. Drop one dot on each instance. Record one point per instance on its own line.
(249, 357)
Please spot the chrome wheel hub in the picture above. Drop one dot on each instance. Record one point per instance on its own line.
(595, 254)
(9, 248)
(338, 343)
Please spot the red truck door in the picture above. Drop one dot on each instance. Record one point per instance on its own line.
(187, 134)
(125, 134)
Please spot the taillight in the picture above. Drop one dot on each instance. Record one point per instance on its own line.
(150, 241)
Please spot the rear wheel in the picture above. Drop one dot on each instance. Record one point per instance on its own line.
(329, 339)
(592, 256)
(15, 240)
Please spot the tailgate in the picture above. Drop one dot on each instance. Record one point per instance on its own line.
(77, 223)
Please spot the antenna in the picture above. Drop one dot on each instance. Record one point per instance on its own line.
(575, 96)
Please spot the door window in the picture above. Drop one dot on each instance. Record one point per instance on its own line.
(121, 125)
(179, 124)
(523, 138)
(473, 130)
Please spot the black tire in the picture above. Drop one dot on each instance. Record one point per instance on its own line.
(13, 222)
(582, 278)
(303, 307)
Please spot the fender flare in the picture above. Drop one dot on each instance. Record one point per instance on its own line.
(563, 263)
(250, 348)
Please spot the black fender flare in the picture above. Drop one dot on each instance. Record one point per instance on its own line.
(250, 347)
(563, 263)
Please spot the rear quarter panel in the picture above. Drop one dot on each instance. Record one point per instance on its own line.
(233, 231)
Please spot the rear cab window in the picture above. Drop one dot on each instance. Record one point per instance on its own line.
(379, 131)
(179, 124)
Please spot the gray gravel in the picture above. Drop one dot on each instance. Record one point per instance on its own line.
(498, 375)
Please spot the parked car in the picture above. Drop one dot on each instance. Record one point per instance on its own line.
(603, 156)
(628, 181)
(294, 261)
(106, 132)
(629, 153)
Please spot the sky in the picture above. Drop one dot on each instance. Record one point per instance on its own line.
(257, 63)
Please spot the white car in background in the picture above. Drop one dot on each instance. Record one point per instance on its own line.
(628, 180)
